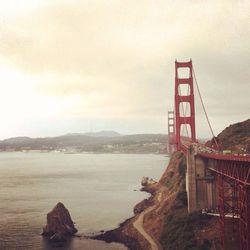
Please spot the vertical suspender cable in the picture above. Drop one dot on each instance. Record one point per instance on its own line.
(203, 106)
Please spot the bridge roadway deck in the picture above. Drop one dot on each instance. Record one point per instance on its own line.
(233, 166)
(211, 153)
(226, 157)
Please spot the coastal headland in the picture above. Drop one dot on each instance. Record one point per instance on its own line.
(162, 221)
(143, 230)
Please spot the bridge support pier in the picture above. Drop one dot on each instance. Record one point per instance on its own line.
(200, 183)
(191, 181)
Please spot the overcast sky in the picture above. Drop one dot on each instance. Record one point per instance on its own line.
(88, 65)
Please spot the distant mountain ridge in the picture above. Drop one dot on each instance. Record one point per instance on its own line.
(103, 133)
(103, 141)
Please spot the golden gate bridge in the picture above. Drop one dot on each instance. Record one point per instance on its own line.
(231, 172)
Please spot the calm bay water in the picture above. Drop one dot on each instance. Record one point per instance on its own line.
(98, 190)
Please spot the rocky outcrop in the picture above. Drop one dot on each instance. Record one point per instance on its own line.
(138, 208)
(147, 181)
(121, 235)
(59, 224)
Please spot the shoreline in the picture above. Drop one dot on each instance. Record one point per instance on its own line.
(125, 233)
(116, 235)
(143, 231)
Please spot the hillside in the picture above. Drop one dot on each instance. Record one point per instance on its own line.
(235, 137)
(103, 134)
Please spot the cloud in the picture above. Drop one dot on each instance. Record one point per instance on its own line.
(115, 59)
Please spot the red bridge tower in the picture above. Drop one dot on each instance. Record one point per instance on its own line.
(181, 119)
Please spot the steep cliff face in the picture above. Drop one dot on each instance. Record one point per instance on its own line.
(235, 137)
(174, 172)
(180, 230)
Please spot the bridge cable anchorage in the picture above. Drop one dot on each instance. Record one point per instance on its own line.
(204, 109)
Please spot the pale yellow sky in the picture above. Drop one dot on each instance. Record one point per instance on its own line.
(72, 66)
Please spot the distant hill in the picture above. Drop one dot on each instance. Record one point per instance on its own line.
(18, 139)
(103, 134)
(97, 134)
(235, 137)
(103, 141)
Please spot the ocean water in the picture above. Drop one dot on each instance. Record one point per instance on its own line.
(99, 190)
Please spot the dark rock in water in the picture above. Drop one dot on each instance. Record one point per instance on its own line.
(59, 224)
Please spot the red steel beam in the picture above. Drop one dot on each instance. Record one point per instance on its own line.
(229, 157)
(234, 197)
(238, 171)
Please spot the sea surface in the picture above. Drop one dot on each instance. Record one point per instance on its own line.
(99, 190)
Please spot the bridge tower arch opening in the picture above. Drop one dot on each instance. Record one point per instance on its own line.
(184, 76)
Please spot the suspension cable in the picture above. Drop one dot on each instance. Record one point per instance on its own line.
(203, 106)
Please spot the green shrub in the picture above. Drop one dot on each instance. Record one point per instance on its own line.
(206, 245)
(182, 197)
(171, 174)
(182, 167)
(177, 233)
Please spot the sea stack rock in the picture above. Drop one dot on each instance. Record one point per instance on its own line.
(59, 224)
